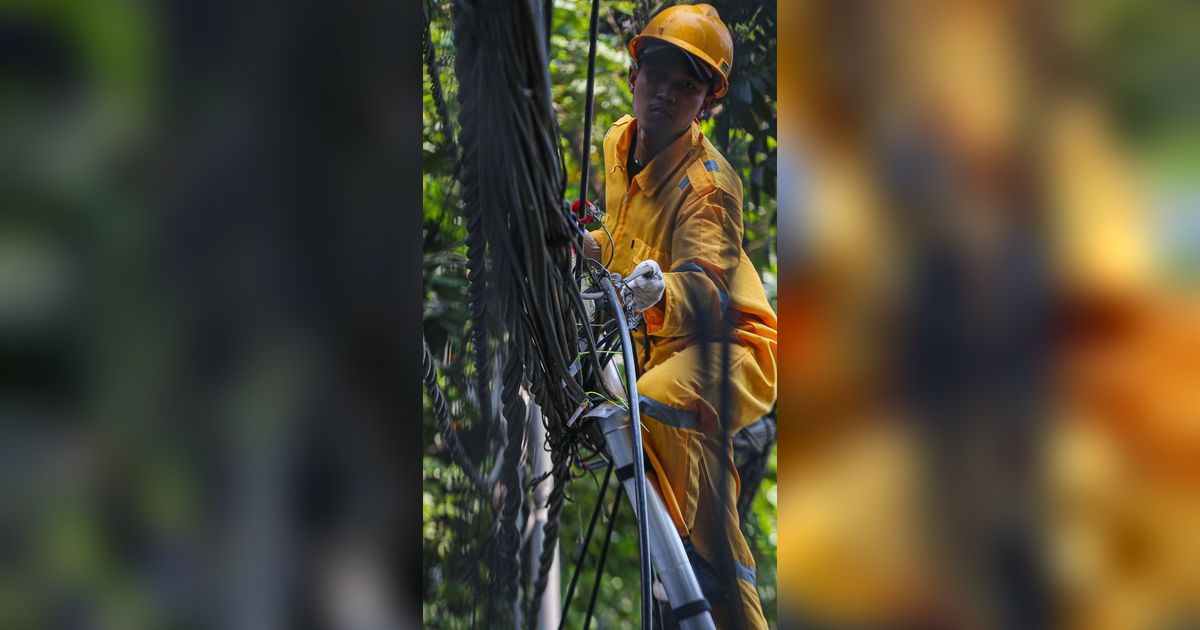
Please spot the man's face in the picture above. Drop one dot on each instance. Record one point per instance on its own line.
(666, 94)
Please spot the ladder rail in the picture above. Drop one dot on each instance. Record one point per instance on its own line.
(666, 548)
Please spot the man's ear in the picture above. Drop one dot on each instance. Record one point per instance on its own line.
(706, 105)
(633, 72)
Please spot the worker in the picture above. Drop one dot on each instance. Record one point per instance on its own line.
(674, 225)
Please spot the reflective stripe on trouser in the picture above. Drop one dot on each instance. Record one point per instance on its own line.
(679, 401)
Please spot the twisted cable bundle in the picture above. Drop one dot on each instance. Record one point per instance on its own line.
(523, 296)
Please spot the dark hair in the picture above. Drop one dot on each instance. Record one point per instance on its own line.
(699, 70)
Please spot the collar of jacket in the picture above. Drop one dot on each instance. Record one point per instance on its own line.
(659, 171)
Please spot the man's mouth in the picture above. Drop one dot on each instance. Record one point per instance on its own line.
(660, 109)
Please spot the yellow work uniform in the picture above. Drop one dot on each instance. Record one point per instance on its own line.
(684, 210)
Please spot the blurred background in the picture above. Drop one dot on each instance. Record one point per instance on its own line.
(207, 324)
(988, 292)
(989, 288)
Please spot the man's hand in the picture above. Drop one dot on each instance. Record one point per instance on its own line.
(591, 247)
(645, 286)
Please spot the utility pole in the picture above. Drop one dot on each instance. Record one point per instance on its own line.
(549, 616)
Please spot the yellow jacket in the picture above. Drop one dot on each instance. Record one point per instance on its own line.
(684, 210)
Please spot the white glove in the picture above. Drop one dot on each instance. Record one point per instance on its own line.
(645, 286)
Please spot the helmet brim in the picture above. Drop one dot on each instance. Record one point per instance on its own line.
(720, 84)
(700, 69)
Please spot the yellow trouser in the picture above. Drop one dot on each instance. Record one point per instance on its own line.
(680, 398)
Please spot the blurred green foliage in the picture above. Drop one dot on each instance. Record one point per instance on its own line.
(1141, 56)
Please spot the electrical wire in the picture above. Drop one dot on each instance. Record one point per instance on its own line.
(512, 183)
(441, 413)
(612, 520)
(639, 466)
(584, 547)
(585, 160)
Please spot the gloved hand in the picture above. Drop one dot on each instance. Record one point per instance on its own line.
(645, 286)
(591, 247)
(585, 217)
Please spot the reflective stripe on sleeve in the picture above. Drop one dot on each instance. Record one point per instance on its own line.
(721, 294)
(744, 572)
(668, 415)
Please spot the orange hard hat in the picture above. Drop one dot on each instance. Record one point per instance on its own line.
(699, 31)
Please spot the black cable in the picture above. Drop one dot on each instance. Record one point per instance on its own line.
(513, 181)
(441, 413)
(585, 161)
(752, 467)
(725, 559)
(609, 340)
(612, 249)
(645, 344)
(561, 448)
(589, 340)
(548, 18)
(479, 283)
(435, 84)
(508, 560)
(639, 466)
(598, 275)
(587, 539)
(612, 519)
